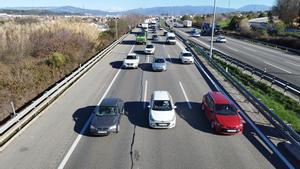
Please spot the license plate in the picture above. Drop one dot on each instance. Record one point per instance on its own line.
(231, 131)
(102, 132)
(162, 124)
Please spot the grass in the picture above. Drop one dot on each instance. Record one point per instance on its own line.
(224, 23)
(286, 108)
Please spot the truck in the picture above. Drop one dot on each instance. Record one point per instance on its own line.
(187, 23)
(141, 37)
(171, 38)
(145, 26)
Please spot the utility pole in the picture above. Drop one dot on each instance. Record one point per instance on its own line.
(212, 31)
(116, 20)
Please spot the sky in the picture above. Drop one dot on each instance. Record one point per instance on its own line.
(119, 5)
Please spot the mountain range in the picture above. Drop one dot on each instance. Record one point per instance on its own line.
(175, 10)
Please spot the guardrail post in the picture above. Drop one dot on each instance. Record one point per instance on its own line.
(285, 88)
(13, 114)
(273, 81)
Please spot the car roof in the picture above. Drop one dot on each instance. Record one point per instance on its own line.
(110, 101)
(185, 51)
(161, 95)
(219, 98)
(131, 54)
(170, 34)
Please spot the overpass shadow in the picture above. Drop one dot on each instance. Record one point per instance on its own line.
(80, 117)
(128, 42)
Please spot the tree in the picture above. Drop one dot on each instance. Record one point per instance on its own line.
(271, 18)
(287, 10)
(234, 23)
(186, 17)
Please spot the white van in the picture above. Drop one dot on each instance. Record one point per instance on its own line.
(171, 38)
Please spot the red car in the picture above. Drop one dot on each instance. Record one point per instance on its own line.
(222, 114)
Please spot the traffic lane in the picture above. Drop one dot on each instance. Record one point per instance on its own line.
(44, 143)
(112, 151)
(193, 121)
(276, 69)
(274, 57)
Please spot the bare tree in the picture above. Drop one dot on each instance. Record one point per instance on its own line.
(287, 10)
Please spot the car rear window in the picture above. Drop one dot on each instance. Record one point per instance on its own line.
(162, 105)
(225, 109)
(106, 111)
(149, 46)
(131, 57)
(159, 60)
(186, 54)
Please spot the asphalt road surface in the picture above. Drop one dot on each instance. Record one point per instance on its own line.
(282, 64)
(55, 139)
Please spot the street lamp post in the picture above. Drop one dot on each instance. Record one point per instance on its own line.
(212, 31)
(116, 20)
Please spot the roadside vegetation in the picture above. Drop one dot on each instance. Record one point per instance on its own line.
(286, 108)
(34, 54)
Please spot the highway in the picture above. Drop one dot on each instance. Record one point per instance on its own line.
(56, 139)
(282, 64)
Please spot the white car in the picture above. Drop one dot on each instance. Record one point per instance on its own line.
(162, 110)
(196, 34)
(149, 49)
(131, 61)
(221, 39)
(186, 57)
(159, 64)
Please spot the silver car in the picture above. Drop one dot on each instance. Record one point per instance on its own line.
(159, 64)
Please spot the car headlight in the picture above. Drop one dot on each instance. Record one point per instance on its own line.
(151, 118)
(113, 127)
(92, 127)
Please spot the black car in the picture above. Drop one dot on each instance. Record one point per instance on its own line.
(107, 116)
(155, 37)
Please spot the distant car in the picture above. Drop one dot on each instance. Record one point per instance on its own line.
(165, 33)
(107, 116)
(160, 28)
(149, 49)
(162, 110)
(196, 34)
(194, 30)
(222, 114)
(131, 61)
(155, 37)
(221, 39)
(159, 64)
(186, 57)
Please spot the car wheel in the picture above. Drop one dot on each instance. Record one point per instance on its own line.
(212, 126)
(118, 128)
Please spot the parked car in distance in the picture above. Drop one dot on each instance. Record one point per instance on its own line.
(165, 33)
(155, 37)
(107, 116)
(149, 49)
(221, 39)
(131, 61)
(222, 114)
(162, 110)
(186, 57)
(159, 64)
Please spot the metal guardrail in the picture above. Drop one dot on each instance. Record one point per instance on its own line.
(57, 89)
(219, 87)
(286, 86)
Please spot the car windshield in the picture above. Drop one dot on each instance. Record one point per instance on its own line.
(159, 60)
(149, 46)
(155, 36)
(171, 38)
(162, 105)
(106, 111)
(225, 109)
(131, 57)
(187, 54)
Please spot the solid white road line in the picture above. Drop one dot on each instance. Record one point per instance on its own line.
(145, 93)
(186, 98)
(278, 67)
(180, 45)
(293, 64)
(148, 59)
(232, 49)
(75, 143)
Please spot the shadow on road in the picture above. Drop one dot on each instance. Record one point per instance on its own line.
(80, 117)
(139, 52)
(146, 67)
(136, 113)
(116, 64)
(194, 117)
(128, 42)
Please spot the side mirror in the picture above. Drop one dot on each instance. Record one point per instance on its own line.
(149, 106)
(175, 107)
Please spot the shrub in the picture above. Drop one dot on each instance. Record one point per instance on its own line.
(56, 60)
